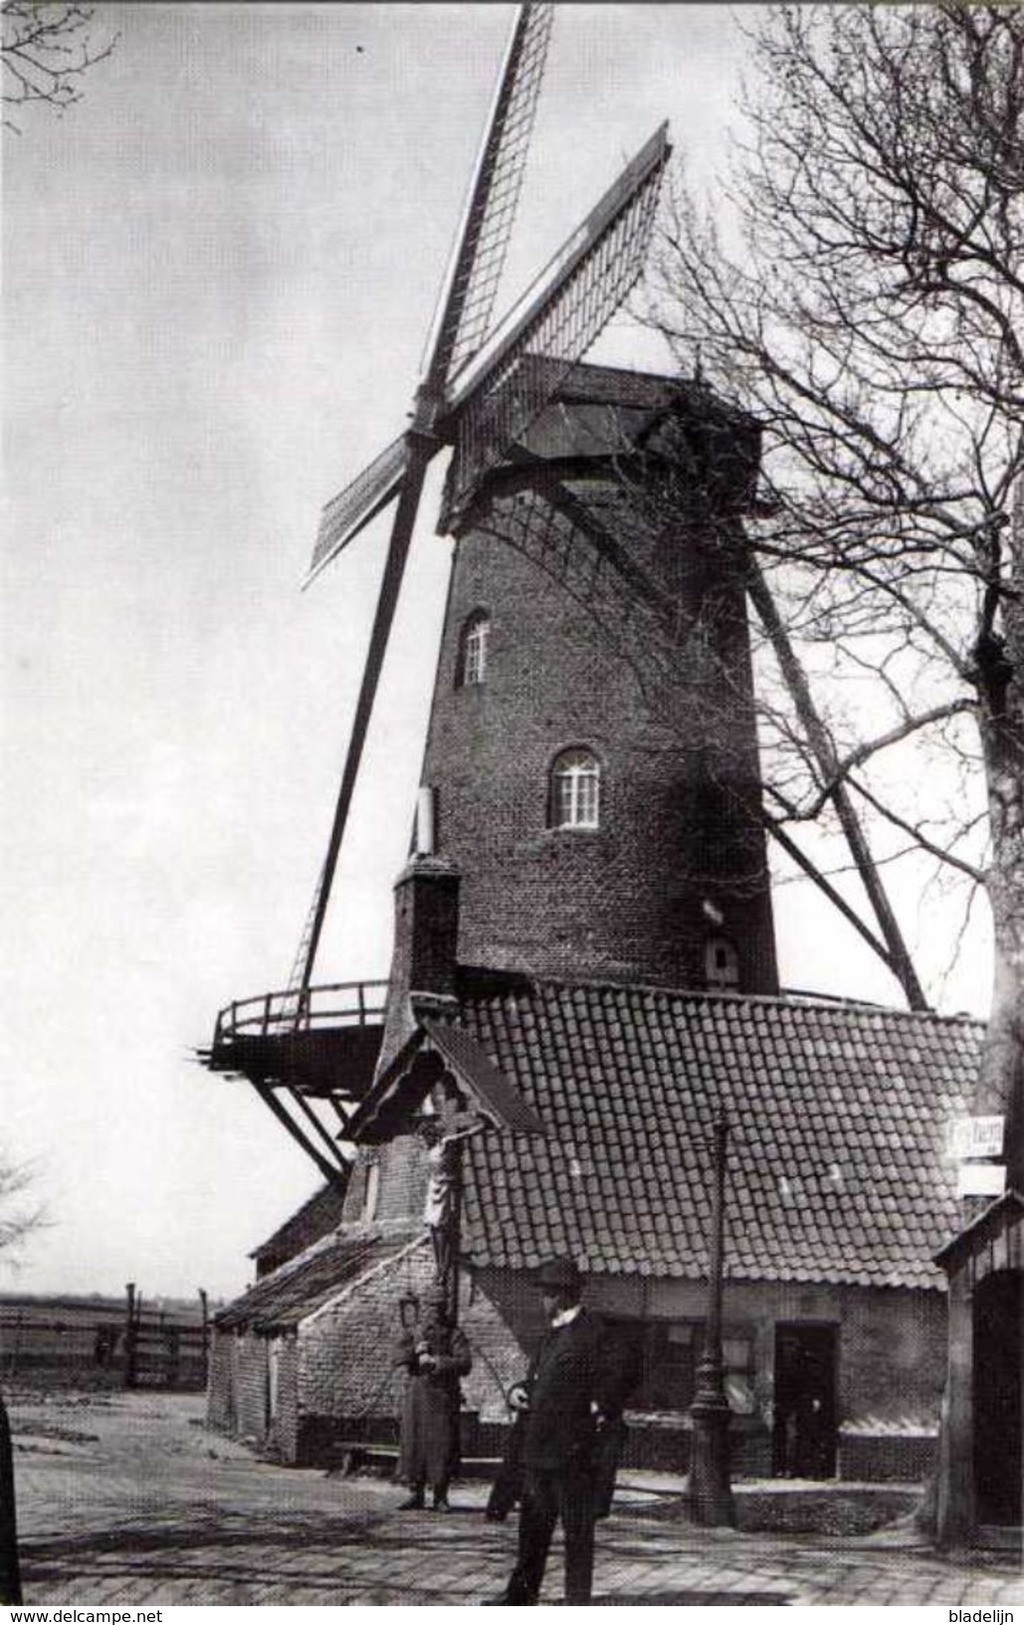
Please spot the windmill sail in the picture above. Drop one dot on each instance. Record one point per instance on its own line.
(362, 500)
(467, 301)
(498, 397)
(476, 270)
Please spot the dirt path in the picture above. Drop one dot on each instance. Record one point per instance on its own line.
(88, 1464)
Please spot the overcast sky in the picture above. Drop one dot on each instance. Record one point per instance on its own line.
(219, 272)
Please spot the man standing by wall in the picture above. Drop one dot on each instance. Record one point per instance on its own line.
(576, 1386)
(435, 1355)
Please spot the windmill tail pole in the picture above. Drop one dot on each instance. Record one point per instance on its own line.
(10, 1572)
(898, 958)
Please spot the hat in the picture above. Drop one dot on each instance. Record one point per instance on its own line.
(562, 1274)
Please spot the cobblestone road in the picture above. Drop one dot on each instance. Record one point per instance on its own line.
(130, 1501)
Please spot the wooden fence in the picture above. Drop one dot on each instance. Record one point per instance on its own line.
(103, 1347)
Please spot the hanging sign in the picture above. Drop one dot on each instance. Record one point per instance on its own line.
(976, 1137)
(981, 1179)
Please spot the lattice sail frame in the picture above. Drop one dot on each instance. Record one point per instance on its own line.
(471, 282)
(362, 500)
(505, 154)
(588, 281)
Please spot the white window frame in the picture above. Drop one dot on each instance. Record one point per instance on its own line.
(474, 650)
(575, 790)
(371, 1192)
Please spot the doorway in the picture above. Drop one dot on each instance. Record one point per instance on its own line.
(804, 1430)
(998, 1412)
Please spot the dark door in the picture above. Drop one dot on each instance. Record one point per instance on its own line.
(998, 1412)
(804, 1433)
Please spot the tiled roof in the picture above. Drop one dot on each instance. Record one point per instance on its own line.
(297, 1289)
(385, 1107)
(837, 1168)
(318, 1216)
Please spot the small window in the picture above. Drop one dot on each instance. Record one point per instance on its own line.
(371, 1192)
(721, 963)
(473, 650)
(575, 800)
(666, 1357)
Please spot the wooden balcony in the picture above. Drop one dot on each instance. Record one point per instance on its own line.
(322, 1042)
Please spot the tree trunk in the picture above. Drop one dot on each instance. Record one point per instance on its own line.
(950, 1509)
(1000, 677)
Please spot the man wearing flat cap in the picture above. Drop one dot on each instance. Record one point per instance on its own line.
(435, 1355)
(577, 1384)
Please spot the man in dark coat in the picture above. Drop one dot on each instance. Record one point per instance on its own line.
(435, 1355)
(576, 1387)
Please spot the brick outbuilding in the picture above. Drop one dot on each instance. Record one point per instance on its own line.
(840, 1192)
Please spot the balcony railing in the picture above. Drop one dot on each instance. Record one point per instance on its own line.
(335, 1004)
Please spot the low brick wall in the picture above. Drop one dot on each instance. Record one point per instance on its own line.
(886, 1458)
(830, 1510)
(326, 1441)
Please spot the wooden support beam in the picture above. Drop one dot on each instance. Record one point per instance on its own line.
(330, 1171)
(313, 1119)
(897, 957)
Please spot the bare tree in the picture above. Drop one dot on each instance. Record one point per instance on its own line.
(47, 47)
(19, 1215)
(861, 294)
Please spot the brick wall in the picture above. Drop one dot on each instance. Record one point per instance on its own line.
(890, 1375)
(220, 1391)
(249, 1385)
(887, 1458)
(346, 1348)
(282, 1433)
(348, 1387)
(401, 1183)
(335, 1380)
(893, 1360)
(253, 1391)
(623, 902)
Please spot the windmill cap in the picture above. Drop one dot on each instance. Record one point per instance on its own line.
(562, 1274)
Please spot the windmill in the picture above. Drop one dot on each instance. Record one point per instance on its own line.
(477, 393)
(481, 387)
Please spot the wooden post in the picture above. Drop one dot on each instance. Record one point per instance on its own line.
(10, 1572)
(204, 1306)
(955, 1514)
(131, 1336)
(12, 1364)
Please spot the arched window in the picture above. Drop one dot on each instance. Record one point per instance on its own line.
(721, 963)
(575, 790)
(473, 641)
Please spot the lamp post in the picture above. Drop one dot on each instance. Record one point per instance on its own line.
(711, 1499)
